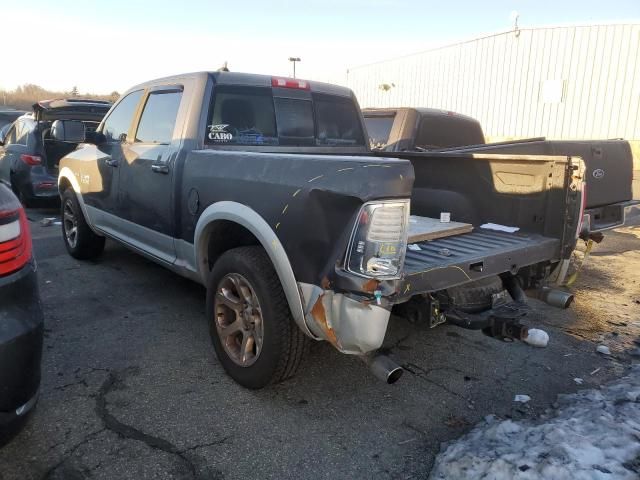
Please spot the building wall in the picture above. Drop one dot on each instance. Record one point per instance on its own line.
(574, 82)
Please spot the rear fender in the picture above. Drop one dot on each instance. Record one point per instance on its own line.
(252, 221)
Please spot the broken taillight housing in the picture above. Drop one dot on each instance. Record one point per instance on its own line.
(15, 238)
(379, 240)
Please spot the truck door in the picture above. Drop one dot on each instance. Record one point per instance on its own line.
(99, 179)
(146, 175)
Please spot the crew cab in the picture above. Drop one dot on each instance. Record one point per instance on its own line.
(609, 163)
(264, 190)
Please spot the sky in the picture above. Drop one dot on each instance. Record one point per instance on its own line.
(112, 45)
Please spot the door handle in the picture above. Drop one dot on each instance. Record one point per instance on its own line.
(160, 168)
(112, 162)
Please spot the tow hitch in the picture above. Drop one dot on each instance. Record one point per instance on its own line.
(502, 320)
(499, 322)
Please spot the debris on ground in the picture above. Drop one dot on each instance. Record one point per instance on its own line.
(603, 349)
(48, 221)
(592, 434)
(578, 380)
(537, 337)
(522, 398)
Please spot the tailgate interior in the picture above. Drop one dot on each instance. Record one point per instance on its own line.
(450, 261)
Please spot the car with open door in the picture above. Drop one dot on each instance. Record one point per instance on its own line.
(29, 155)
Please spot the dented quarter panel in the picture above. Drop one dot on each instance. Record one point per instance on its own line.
(310, 201)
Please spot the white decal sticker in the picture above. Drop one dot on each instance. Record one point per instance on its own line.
(218, 133)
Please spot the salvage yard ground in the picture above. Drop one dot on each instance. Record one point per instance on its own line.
(132, 388)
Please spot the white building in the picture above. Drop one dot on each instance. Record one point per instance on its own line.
(569, 82)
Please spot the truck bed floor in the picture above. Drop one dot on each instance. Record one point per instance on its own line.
(451, 261)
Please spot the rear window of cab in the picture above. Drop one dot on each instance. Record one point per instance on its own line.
(254, 116)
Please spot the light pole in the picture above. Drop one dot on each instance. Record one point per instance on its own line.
(294, 60)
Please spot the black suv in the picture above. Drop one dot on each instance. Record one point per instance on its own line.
(29, 156)
(21, 322)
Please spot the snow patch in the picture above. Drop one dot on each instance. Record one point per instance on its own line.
(522, 398)
(593, 434)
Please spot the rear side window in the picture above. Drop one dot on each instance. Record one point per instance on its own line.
(159, 117)
(254, 116)
(22, 132)
(11, 135)
(379, 129)
(442, 131)
(338, 121)
(242, 116)
(117, 124)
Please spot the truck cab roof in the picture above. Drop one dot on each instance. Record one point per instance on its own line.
(249, 80)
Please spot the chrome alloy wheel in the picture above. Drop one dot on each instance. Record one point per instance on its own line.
(70, 224)
(238, 319)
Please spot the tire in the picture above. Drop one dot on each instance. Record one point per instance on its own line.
(84, 244)
(276, 346)
(476, 296)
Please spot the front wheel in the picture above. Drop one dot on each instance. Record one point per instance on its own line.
(81, 242)
(250, 323)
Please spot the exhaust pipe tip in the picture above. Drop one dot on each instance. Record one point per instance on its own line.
(384, 368)
(557, 298)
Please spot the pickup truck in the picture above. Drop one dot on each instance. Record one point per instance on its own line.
(609, 163)
(264, 190)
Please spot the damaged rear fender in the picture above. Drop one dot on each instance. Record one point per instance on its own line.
(350, 325)
(252, 221)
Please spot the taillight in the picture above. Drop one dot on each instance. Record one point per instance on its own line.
(583, 203)
(379, 240)
(290, 83)
(31, 159)
(15, 241)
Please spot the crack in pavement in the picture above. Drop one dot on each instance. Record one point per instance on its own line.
(65, 456)
(123, 430)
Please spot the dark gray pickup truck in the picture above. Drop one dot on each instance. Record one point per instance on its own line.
(609, 163)
(265, 190)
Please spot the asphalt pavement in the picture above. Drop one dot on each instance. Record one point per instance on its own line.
(132, 389)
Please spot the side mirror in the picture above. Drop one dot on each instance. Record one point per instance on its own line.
(72, 131)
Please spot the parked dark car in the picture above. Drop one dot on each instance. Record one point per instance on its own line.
(21, 320)
(28, 154)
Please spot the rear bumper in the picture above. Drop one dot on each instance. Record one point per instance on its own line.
(21, 338)
(607, 217)
(36, 182)
(43, 184)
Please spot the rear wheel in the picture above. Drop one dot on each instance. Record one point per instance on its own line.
(81, 242)
(251, 327)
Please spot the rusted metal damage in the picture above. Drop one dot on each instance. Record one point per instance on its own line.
(343, 319)
(371, 285)
(320, 317)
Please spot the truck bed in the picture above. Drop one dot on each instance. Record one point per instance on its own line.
(446, 262)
